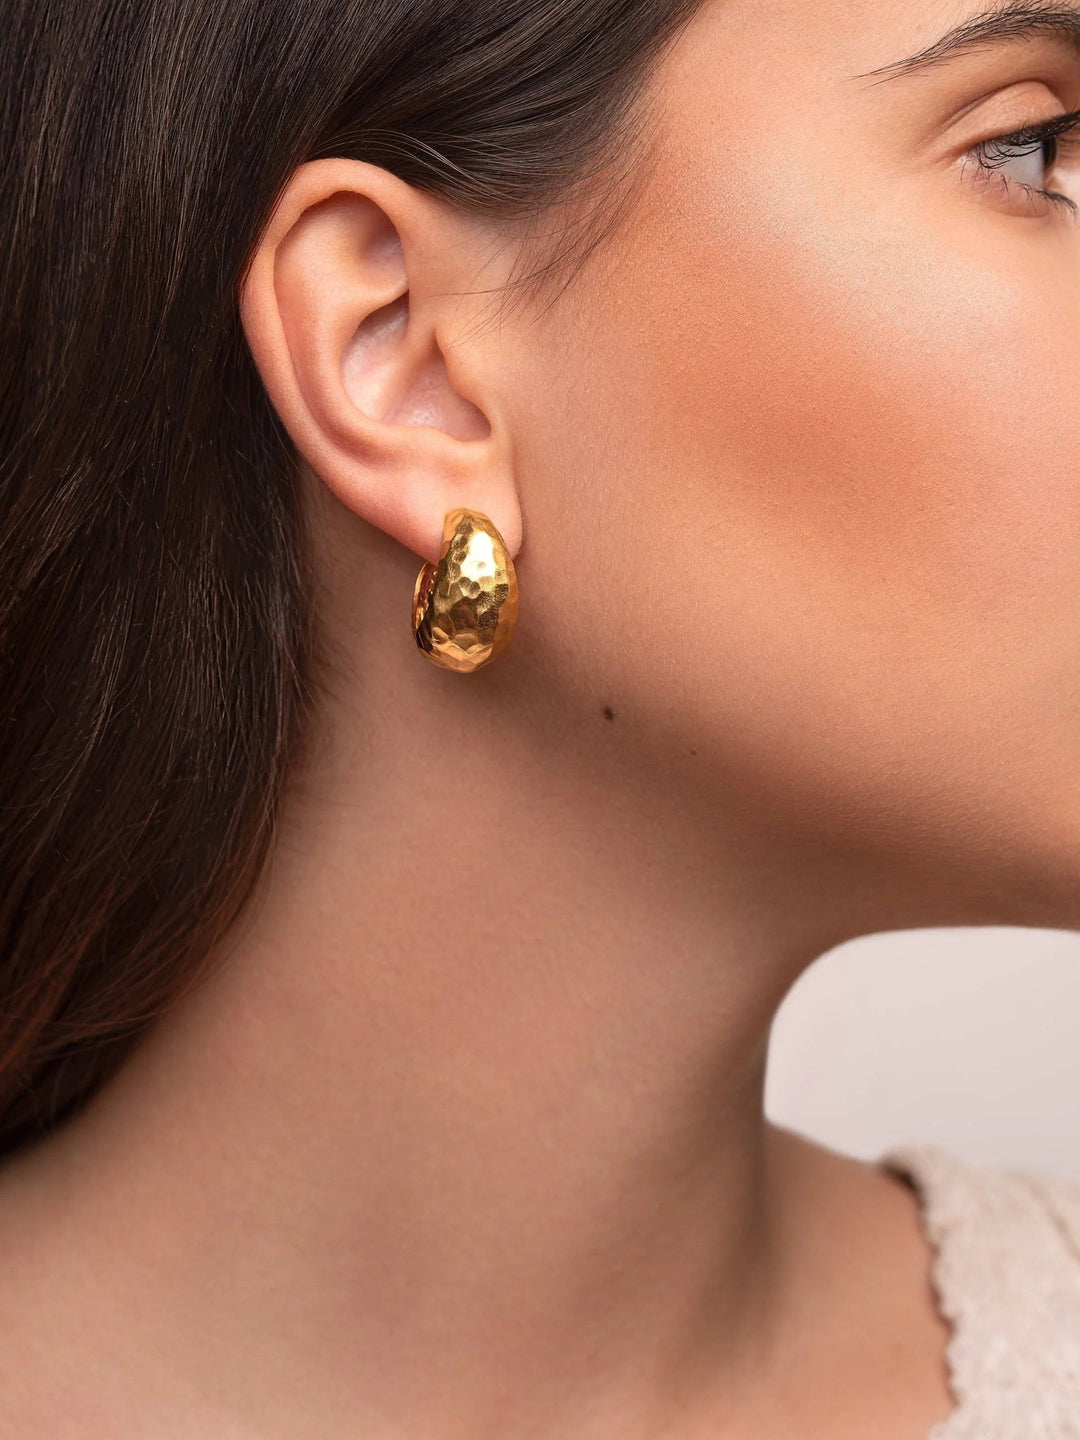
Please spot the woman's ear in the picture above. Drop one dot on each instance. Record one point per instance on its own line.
(353, 306)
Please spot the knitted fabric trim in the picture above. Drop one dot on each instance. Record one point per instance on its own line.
(1006, 1272)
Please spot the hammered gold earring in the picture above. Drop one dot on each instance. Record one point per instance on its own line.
(465, 607)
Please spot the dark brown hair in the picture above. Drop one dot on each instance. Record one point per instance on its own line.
(157, 636)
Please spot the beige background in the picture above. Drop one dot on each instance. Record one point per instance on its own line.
(969, 1038)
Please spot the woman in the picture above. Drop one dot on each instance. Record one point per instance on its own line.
(385, 992)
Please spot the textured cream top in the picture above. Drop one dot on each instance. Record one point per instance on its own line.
(1006, 1270)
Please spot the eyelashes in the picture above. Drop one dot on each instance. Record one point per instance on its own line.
(1051, 135)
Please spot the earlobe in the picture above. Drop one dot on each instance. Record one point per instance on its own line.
(348, 307)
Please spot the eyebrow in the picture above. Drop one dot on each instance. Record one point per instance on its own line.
(1011, 20)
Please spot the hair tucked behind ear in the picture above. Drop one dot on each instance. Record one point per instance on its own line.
(157, 641)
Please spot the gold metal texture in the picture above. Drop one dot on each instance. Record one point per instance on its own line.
(465, 607)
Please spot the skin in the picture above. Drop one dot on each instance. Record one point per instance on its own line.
(464, 1137)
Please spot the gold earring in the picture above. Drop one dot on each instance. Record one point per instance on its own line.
(465, 607)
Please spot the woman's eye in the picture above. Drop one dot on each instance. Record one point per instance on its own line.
(1029, 167)
(1025, 163)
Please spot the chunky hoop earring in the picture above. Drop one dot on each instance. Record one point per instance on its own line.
(465, 607)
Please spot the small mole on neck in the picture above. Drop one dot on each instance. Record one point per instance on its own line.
(609, 712)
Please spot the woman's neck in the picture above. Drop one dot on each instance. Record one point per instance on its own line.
(463, 1137)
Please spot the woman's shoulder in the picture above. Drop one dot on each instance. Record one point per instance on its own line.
(1006, 1269)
